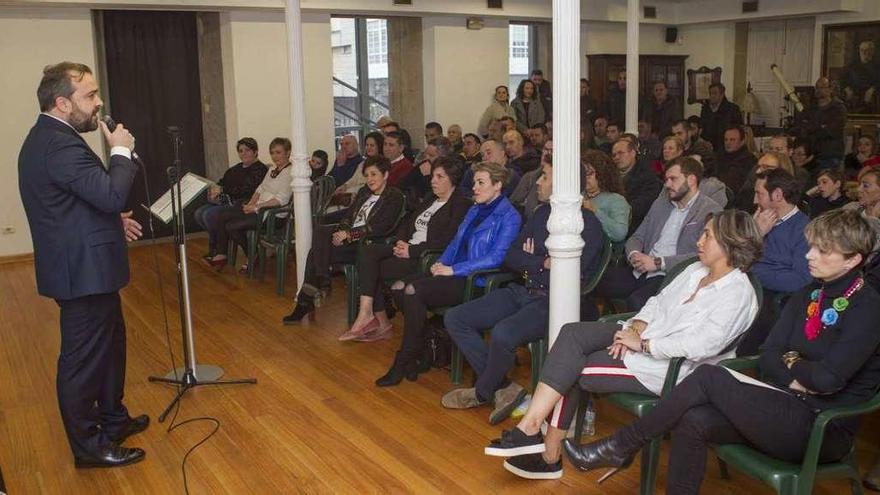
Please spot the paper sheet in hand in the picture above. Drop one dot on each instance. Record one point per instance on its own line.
(190, 186)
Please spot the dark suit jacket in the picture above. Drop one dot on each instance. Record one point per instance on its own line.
(641, 187)
(442, 226)
(73, 204)
(382, 218)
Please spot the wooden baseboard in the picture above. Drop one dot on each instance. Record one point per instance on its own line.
(16, 258)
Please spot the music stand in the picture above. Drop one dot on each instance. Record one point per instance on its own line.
(191, 375)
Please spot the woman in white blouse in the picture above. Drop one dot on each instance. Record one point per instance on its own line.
(697, 316)
(275, 190)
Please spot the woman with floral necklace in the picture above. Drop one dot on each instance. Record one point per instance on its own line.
(822, 353)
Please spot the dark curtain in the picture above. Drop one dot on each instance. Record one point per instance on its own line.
(153, 74)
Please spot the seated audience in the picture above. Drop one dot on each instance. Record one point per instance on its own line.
(869, 199)
(672, 148)
(347, 160)
(373, 215)
(829, 192)
(507, 124)
(640, 185)
(718, 115)
(416, 184)
(480, 243)
(667, 236)
(600, 132)
(806, 166)
(589, 107)
(734, 162)
(500, 107)
(649, 142)
(537, 137)
(431, 226)
(374, 145)
(519, 158)
(390, 127)
(318, 164)
(694, 145)
(603, 194)
(491, 151)
(433, 130)
(525, 196)
(235, 188)
(864, 155)
(545, 91)
(783, 265)
(527, 106)
(516, 314)
(820, 355)
(275, 190)
(453, 134)
(470, 149)
(661, 110)
(698, 316)
(393, 149)
(745, 198)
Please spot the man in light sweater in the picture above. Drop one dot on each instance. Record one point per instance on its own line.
(783, 265)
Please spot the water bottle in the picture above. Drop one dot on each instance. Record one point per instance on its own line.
(590, 420)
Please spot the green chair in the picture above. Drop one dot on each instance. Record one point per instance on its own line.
(638, 404)
(795, 479)
(281, 241)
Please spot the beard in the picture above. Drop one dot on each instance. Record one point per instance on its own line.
(679, 194)
(82, 121)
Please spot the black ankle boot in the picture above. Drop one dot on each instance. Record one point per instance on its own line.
(304, 307)
(402, 367)
(607, 452)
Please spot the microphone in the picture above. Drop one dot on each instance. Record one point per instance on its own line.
(111, 125)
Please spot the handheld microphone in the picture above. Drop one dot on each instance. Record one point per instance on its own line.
(111, 125)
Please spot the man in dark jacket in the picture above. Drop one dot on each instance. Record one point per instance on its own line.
(516, 314)
(545, 92)
(519, 158)
(823, 124)
(615, 102)
(641, 185)
(718, 114)
(733, 162)
(74, 207)
(662, 110)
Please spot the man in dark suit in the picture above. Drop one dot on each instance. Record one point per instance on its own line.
(74, 204)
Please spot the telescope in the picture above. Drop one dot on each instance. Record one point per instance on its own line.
(790, 93)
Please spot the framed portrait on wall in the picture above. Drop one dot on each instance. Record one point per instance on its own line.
(699, 81)
(851, 59)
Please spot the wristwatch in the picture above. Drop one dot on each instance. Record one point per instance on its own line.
(658, 261)
(791, 357)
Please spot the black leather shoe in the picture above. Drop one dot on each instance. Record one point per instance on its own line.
(402, 367)
(607, 452)
(112, 455)
(303, 309)
(134, 426)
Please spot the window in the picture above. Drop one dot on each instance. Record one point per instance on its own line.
(519, 54)
(377, 41)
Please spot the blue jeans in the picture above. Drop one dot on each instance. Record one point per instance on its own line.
(206, 216)
(514, 316)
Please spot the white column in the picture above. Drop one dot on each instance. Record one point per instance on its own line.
(302, 183)
(632, 67)
(565, 224)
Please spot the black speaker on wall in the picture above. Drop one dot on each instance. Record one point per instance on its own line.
(494, 4)
(671, 34)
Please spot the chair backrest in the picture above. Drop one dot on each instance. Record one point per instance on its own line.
(675, 271)
(322, 193)
(604, 260)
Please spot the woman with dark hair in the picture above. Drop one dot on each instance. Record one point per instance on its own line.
(373, 144)
(372, 215)
(698, 316)
(603, 194)
(500, 107)
(805, 164)
(274, 190)
(480, 243)
(864, 155)
(527, 106)
(318, 163)
(237, 186)
(822, 353)
(430, 226)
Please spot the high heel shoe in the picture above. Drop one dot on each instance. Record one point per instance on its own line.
(303, 309)
(607, 452)
(402, 367)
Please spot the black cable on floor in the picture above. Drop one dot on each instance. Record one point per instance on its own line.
(172, 426)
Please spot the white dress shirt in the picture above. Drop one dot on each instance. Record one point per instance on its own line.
(697, 330)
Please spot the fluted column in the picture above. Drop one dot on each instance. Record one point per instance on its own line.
(565, 224)
(302, 183)
(632, 66)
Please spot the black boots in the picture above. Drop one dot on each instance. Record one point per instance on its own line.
(305, 306)
(402, 367)
(607, 452)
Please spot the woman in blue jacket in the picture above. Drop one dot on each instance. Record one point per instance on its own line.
(480, 243)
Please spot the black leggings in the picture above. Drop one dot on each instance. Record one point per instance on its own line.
(419, 295)
(377, 263)
(711, 406)
(579, 360)
(323, 254)
(233, 224)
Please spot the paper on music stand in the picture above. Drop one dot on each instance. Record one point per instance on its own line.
(190, 186)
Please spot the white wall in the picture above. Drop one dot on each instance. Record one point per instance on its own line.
(461, 70)
(259, 90)
(30, 39)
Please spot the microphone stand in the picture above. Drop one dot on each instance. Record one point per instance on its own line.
(191, 375)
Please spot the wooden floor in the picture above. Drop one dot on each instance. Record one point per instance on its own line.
(314, 423)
